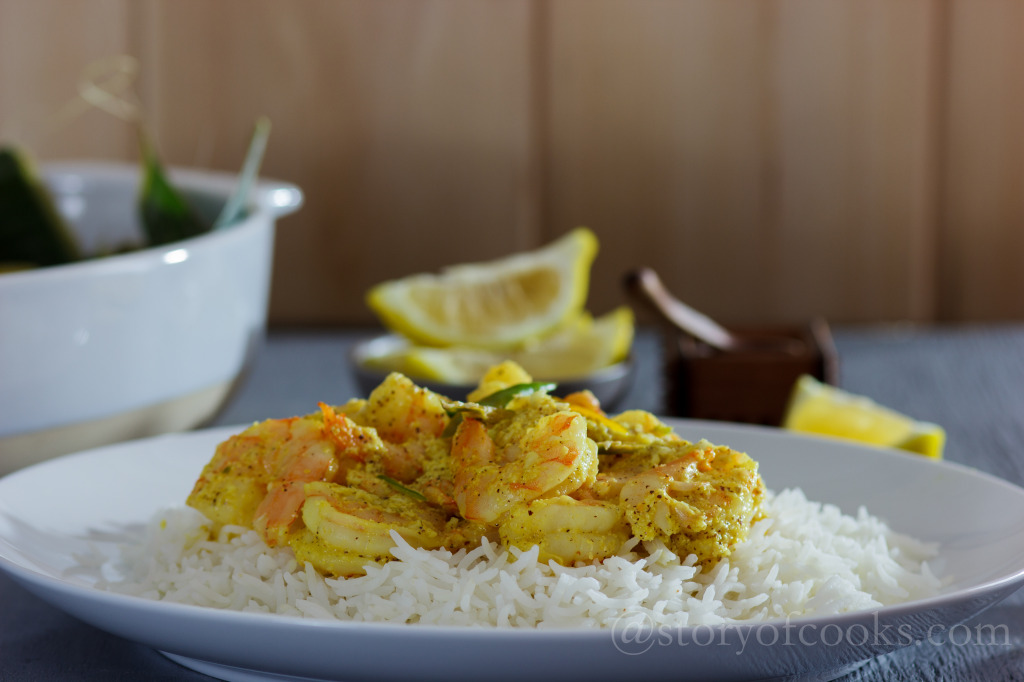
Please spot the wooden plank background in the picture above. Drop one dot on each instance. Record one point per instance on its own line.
(774, 159)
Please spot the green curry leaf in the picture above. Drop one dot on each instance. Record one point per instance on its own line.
(484, 406)
(401, 488)
(166, 216)
(32, 231)
(504, 396)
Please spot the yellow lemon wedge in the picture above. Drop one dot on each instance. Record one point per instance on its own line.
(575, 350)
(453, 365)
(581, 347)
(495, 304)
(815, 407)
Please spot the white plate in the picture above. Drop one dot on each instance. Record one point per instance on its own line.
(51, 510)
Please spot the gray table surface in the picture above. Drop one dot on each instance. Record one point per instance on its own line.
(969, 379)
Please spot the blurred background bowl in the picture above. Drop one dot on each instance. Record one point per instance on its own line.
(609, 384)
(140, 343)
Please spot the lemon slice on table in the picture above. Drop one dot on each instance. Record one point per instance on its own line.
(577, 349)
(822, 409)
(495, 304)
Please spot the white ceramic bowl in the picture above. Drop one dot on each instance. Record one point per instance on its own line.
(135, 344)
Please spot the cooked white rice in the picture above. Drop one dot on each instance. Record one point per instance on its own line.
(802, 559)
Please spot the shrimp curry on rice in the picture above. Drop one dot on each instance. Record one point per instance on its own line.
(514, 463)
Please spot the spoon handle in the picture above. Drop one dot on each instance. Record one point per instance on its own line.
(645, 284)
(247, 178)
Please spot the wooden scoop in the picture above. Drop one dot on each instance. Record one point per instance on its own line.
(645, 285)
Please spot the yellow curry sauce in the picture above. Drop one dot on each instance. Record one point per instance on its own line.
(515, 464)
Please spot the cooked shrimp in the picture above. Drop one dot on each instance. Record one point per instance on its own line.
(404, 423)
(256, 478)
(701, 503)
(532, 454)
(347, 528)
(585, 399)
(521, 467)
(401, 411)
(249, 480)
(359, 443)
(364, 457)
(626, 460)
(437, 484)
(644, 427)
(498, 377)
(463, 534)
(301, 463)
(357, 447)
(566, 530)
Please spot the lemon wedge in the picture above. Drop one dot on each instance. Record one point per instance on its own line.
(575, 350)
(495, 304)
(581, 347)
(818, 408)
(453, 365)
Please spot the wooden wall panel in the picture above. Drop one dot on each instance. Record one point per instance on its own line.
(982, 206)
(771, 159)
(44, 46)
(774, 159)
(406, 123)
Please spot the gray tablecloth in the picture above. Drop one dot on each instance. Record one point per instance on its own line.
(970, 380)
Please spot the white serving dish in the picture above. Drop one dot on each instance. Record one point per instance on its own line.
(136, 344)
(977, 519)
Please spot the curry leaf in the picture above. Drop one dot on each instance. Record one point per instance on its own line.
(401, 488)
(504, 396)
(166, 216)
(32, 231)
(485, 405)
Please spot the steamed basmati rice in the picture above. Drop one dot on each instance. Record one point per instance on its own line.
(802, 559)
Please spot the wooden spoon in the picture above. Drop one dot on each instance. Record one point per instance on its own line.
(645, 285)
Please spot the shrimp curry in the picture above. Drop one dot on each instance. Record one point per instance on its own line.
(513, 463)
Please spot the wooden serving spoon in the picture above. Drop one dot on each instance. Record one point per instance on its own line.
(645, 285)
